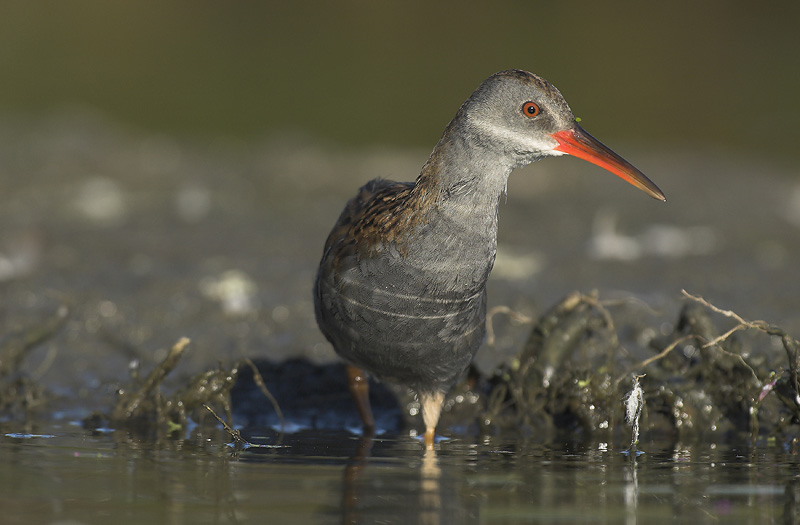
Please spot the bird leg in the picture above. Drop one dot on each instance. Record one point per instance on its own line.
(359, 387)
(431, 409)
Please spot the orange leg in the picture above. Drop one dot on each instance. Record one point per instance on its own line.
(359, 387)
(431, 409)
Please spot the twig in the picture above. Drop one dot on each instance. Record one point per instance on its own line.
(762, 326)
(238, 440)
(260, 382)
(723, 337)
(516, 316)
(726, 313)
(630, 300)
(660, 355)
(743, 323)
(128, 406)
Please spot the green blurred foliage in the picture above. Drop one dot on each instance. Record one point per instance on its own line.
(715, 74)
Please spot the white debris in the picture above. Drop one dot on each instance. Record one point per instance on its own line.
(634, 404)
(234, 289)
(100, 200)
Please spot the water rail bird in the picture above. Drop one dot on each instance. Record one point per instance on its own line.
(401, 287)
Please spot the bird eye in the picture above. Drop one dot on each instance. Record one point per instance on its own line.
(530, 109)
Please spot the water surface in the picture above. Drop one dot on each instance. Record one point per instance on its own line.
(70, 475)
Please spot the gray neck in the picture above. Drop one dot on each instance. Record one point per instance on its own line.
(469, 177)
(462, 183)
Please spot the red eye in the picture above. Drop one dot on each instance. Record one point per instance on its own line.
(530, 109)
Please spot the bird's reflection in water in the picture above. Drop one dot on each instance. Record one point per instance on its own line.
(631, 490)
(364, 486)
(353, 474)
(430, 498)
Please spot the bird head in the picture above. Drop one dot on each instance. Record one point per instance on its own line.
(526, 118)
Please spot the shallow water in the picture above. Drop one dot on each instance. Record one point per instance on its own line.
(64, 474)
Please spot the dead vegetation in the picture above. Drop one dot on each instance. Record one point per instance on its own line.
(145, 407)
(572, 375)
(20, 393)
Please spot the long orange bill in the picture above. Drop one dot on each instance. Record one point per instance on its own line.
(578, 143)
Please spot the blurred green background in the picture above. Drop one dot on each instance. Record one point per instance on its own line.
(711, 75)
